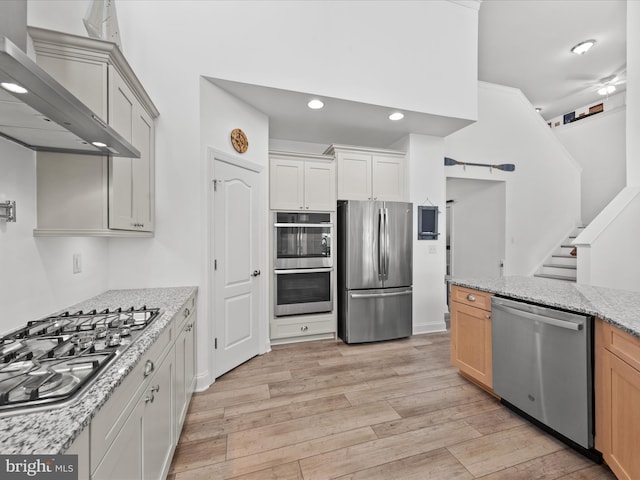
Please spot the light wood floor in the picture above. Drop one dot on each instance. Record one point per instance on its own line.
(391, 410)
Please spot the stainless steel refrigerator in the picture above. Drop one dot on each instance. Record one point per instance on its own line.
(375, 270)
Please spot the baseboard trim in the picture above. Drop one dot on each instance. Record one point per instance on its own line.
(429, 328)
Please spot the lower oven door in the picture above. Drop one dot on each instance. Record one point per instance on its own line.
(305, 290)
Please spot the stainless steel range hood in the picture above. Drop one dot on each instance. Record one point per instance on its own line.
(48, 117)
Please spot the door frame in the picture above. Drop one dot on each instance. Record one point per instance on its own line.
(208, 280)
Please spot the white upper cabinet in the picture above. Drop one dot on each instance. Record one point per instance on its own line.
(301, 181)
(131, 185)
(370, 174)
(85, 195)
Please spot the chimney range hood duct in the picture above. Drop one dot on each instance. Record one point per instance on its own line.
(48, 117)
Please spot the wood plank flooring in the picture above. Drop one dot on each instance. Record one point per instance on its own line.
(390, 410)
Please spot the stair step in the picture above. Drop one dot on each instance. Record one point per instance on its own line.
(558, 265)
(561, 259)
(555, 277)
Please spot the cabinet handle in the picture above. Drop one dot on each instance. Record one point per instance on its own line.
(471, 298)
(304, 328)
(148, 368)
(307, 208)
(188, 328)
(488, 316)
(155, 389)
(149, 398)
(187, 312)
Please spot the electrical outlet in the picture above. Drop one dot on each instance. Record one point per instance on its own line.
(433, 249)
(77, 263)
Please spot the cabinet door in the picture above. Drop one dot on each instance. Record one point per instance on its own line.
(143, 181)
(286, 184)
(131, 180)
(122, 214)
(388, 178)
(185, 370)
(158, 438)
(123, 460)
(319, 185)
(354, 176)
(617, 414)
(471, 342)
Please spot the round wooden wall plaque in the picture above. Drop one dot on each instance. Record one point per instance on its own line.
(239, 140)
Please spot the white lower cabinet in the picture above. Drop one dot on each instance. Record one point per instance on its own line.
(134, 435)
(185, 367)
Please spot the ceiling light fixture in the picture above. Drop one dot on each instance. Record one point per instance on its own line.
(583, 47)
(607, 89)
(315, 104)
(395, 116)
(13, 87)
(99, 144)
(538, 109)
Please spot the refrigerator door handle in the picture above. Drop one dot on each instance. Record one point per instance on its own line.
(379, 295)
(380, 246)
(386, 243)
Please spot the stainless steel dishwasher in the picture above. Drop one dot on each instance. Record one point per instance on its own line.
(542, 365)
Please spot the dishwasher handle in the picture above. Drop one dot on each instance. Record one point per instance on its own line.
(541, 318)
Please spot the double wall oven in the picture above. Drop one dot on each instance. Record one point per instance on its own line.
(303, 263)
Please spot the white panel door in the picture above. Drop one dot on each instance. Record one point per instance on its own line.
(237, 275)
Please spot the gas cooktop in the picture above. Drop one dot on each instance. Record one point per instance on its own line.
(50, 361)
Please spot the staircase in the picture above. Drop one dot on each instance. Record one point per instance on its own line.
(561, 265)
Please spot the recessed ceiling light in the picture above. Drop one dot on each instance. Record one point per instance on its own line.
(396, 116)
(315, 104)
(12, 87)
(583, 47)
(607, 89)
(99, 144)
(538, 109)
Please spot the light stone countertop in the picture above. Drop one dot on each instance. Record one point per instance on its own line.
(53, 430)
(617, 307)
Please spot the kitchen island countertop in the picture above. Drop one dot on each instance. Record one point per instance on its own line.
(617, 307)
(53, 430)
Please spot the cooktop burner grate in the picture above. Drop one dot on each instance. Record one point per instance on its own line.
(51, 360)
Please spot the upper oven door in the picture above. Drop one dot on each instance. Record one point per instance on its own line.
(302, 240)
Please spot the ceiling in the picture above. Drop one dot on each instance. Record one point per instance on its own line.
(522, 43)
(526, 44)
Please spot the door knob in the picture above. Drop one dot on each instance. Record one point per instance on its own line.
(255, 273)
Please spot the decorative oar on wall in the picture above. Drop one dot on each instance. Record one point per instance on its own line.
(507, 167)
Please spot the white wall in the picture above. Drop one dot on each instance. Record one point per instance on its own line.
(356, 50)
(477, 223)
(607, 249)
(220, 113)
(426, 187)
(542, 194)
(598, 144)
(36, 275)
(633, 93)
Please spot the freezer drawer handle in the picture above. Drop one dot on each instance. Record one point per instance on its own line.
(376, 295)
(548, 320)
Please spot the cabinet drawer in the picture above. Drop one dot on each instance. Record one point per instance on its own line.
(113, 414)
(298, 327)
(184, 314)
(620, 343)
(474, 298)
